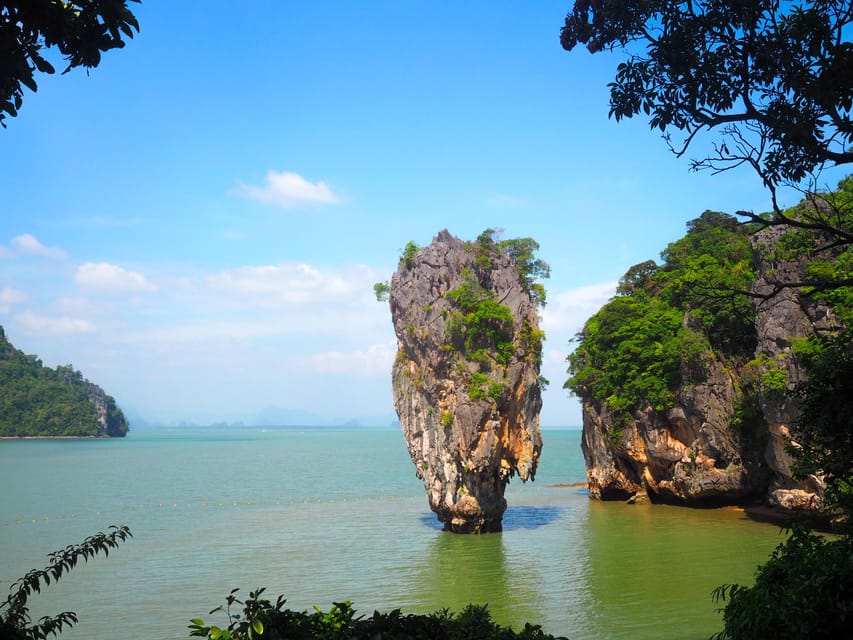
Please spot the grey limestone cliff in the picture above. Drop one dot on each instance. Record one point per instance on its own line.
(466, 380)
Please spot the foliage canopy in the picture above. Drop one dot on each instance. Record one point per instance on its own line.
(481, 326)
(774, 80)
(635, 350)
(81, 30)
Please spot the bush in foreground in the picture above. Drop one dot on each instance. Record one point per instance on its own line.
(805, 590)
(261, 618)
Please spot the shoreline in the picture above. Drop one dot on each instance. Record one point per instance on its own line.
(54, 437)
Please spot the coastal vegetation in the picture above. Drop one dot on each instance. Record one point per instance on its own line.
(256, 616)
(37, 401)
(801, 593)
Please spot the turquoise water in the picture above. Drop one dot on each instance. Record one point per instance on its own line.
(325, 515)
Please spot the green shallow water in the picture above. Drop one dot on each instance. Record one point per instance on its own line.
(325, 515)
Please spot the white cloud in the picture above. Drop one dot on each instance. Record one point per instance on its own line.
(291, 284)
(565, 315)
(286, 189)
(110, 277)
(10, 297)
(374, 360)
(42, 325)
(567, 311)
(28, 244)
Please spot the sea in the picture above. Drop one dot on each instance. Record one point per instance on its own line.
(324, 515)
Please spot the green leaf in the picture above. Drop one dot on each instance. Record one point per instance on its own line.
(258, 626)
(42, 65)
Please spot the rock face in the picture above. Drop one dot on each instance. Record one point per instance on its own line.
(111, 420)
(782, 318)
(696, 453)
(466, 377)
(689, 454)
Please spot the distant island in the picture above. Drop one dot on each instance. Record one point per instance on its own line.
(37, 401)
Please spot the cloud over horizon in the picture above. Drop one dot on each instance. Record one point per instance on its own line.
(287, 190)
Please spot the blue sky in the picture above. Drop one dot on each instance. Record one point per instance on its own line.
(197, 224)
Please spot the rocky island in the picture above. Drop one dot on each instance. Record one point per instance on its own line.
(688, 376)
(466, 381)
(37, 401)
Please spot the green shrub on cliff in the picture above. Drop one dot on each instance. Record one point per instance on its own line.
(629, 354)
(707, 274)
(480, 326)
(531, 269)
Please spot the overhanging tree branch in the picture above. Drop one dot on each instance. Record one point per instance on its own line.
(788, 66)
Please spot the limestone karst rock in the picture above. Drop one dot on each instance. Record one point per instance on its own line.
(110, 419)
(689, 454)
(716, 443)
(466, 379)
(782, 318)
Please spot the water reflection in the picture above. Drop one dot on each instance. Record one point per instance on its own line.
(455, 570)
(517, 517)
(530, 517)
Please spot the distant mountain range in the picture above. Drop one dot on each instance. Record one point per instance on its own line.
(272, 416)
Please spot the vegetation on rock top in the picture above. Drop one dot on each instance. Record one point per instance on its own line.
(636, 349)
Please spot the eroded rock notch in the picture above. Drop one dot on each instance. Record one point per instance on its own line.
(466, 378)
